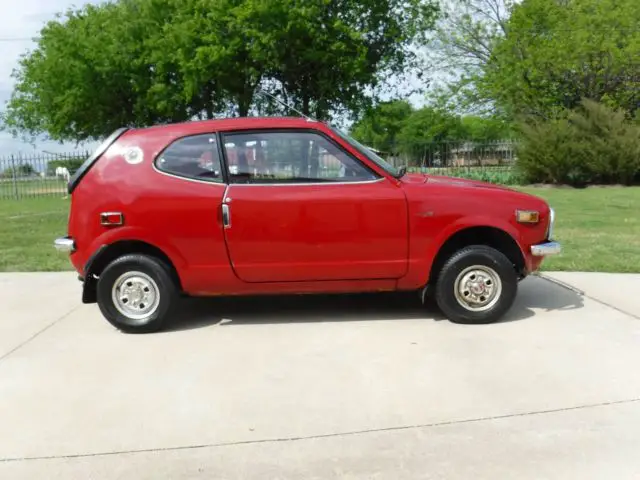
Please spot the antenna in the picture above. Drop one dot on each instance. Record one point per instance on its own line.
(287, 106)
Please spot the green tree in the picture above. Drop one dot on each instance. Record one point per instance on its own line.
(557, 53)
(485, 129)
(463, 44)
(141, 62)
(379, 127)
(332, 52)
(428, 135)
(395, 127)
(223, 49)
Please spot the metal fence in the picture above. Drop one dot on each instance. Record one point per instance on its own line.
(458, 154)
(47, 174)
(39, 175)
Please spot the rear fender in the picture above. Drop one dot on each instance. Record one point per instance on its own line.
(135, 234)
(101, 245)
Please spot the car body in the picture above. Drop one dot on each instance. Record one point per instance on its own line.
(251, 206)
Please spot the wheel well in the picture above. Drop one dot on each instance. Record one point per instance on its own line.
(489, 236)
(115, 250)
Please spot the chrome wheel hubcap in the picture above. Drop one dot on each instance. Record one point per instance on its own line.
(135, 295)
(478, 288)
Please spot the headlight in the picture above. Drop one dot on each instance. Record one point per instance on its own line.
(552, 219)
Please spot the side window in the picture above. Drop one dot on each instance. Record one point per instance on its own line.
(192, 157)
(290, 157)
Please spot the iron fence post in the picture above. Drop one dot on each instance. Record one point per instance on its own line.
(15, 178)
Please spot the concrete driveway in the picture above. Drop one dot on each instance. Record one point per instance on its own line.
(323, 387)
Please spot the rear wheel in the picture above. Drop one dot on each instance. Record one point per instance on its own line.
(136, 293)
(477, 285)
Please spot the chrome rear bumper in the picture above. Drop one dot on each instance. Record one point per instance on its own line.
(544, 249)
(65, 244)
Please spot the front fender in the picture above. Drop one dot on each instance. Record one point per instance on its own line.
(470, 222)
(474, 221)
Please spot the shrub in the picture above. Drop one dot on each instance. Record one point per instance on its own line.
(19, 171)
(500, 177)
(590, 145)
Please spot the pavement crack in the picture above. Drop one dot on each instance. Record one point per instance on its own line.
(37, 334)
(584, 294)
(325, 435)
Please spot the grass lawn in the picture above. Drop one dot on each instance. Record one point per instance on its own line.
(599, 229)
(27, 230)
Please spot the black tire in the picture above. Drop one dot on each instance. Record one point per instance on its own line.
(162, 282)
(488, 260)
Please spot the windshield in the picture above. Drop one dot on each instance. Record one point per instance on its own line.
(368, 153)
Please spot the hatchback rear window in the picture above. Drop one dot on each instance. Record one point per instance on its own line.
(88, 163)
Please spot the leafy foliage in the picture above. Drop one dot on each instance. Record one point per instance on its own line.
(141, 62)
(424, 135)
(380, 126)
(486, 129)
(555, 54)
(592, 144)
(464, 42)
(330, 50)
(537, 57)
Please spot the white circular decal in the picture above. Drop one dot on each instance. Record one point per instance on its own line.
(134, 155)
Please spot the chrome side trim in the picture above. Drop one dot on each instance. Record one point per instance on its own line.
(284, 184)
(64, 244)
(302, 184)
(544, 249)
(187, 179)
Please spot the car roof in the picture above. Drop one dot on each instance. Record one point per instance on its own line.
(226, 124)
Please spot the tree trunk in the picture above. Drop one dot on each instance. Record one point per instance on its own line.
(209, 111)
(245, 101)
(321, 110)
(208, 106)
(305, 103)
(243, 108)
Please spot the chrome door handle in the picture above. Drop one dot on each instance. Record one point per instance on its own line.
(226, 216)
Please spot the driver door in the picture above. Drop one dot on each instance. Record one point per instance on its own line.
(299, 207)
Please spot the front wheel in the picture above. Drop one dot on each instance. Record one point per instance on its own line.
(136, 293)
(477, 285)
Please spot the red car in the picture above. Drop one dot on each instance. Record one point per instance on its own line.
(252, 206)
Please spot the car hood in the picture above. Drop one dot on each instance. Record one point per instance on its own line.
(463, 182)
(451, 181)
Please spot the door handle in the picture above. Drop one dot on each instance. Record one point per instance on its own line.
(226, 216)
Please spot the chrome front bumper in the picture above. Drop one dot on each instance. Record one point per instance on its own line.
(65, 244)
(544, 249)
